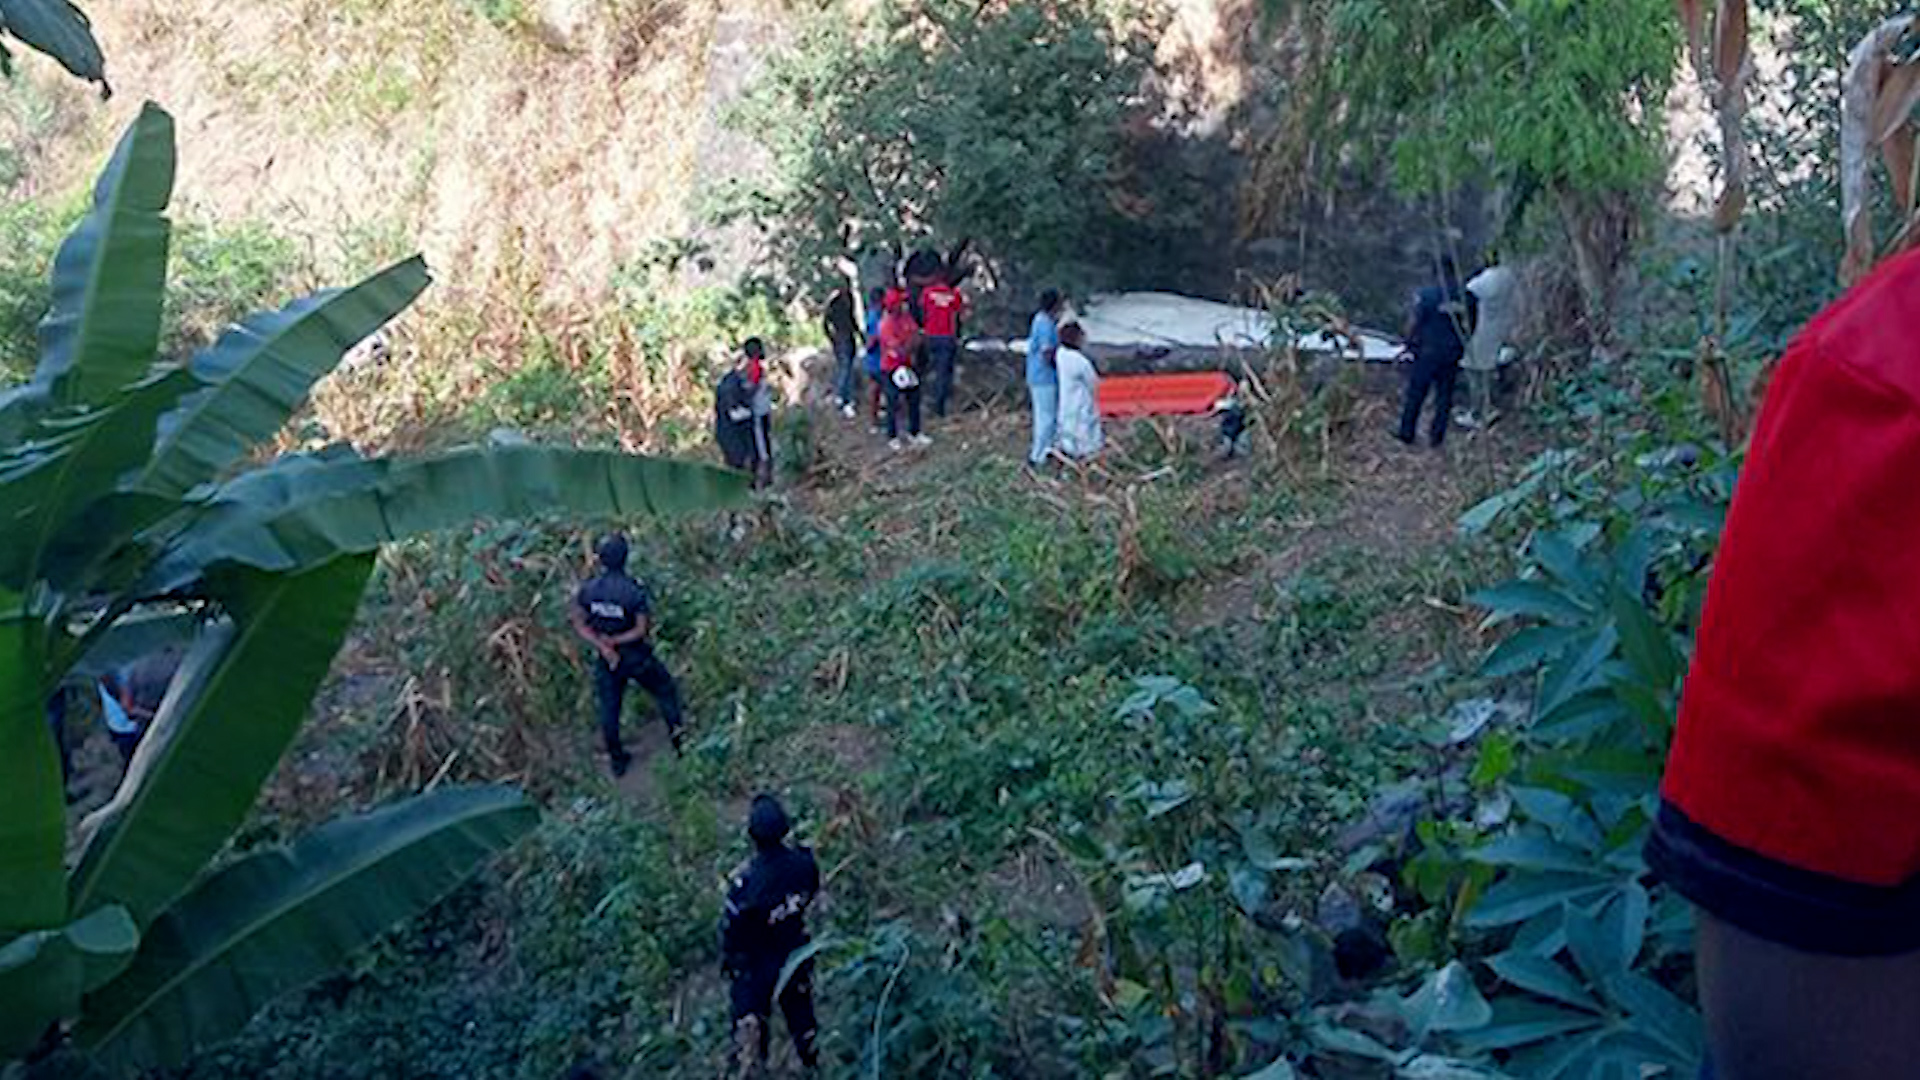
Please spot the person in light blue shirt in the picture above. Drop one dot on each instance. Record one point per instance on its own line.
(1043, 380)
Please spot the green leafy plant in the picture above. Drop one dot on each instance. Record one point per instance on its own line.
(1003, 123)
(58, 29)
(128, 500)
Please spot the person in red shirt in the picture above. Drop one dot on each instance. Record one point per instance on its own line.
(899, 338)
(1790, 811)
(941, 306)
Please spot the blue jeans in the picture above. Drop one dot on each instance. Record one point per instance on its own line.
(1046, 420)
(843, 371)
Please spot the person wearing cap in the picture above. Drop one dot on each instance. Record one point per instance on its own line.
(130, 697)
(614, 613)
(1043, 381)
(899, 339)
(941, 306)
(1080, 435)
(1790, 813)
(764, 923)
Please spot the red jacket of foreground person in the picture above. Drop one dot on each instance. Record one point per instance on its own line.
(1792, 796)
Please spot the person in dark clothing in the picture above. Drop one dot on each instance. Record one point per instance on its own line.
(733, 426)
(843, 333)
(131, 698)
(1437, 332)
(765, 923)
(755, 369)
(614, 614)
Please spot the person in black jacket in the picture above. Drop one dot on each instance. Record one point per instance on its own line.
(1437, 332)
(733, 418)
(614, 614)
(843, 335)
(764, 924)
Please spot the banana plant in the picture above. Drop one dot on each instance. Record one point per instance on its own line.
(58, 29)
(133, 507)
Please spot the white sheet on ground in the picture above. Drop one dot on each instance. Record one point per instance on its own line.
(1148, 319)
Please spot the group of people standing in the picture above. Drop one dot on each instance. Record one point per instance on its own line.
(908, 347)
(1454, 326)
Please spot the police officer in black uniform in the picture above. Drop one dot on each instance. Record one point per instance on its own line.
(614, 614)
(1437, 332)
(764, 924)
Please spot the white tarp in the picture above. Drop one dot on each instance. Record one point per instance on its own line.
(1149, 319)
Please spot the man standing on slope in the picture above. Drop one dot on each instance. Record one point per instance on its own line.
(1437, 333)
(764, 924)
(941, 307)
(614, 614)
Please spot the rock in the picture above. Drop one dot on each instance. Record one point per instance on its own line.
(1390, 818)
(566, 25)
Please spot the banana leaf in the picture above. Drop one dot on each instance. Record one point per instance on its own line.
(260, 371)
(232, 709)
(273, 921)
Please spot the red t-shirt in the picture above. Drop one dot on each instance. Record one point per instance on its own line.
(1799, 731)
(942, 305)
(897, 332)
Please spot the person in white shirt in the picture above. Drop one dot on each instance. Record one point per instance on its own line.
(1494, 289)
(1080, 435)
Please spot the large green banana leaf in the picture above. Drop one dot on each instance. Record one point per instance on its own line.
(33, 826)
(260, 371)
(274, 921)
(44, 974)
(58, 29)
(131, 637)
(239, 697)
(45, 486)
(110, 275)
(316, 511)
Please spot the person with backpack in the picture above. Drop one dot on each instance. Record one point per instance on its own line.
(899, 339)
(764, 924)
(941, 307)
(614, 613)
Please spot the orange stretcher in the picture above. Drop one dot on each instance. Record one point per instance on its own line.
(1183, 394)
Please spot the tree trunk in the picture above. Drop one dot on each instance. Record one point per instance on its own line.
(1600, 230)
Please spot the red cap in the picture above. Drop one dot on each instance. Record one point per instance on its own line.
(1799, 734)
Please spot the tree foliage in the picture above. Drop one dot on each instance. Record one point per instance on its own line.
(1542, 92)
(1007, 123)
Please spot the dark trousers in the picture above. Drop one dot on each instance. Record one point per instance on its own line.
(1435, 376)
(843, 371)
(876, 394)
(753, 1000)
(644, 670)
(763, 451)
(941, 354)
(896, 400)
